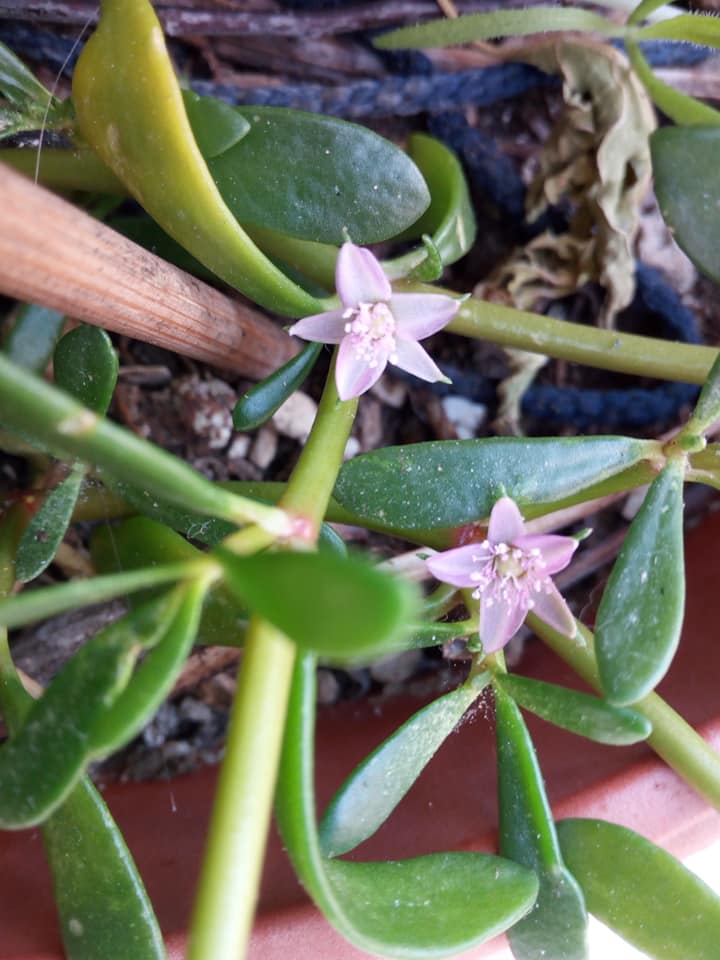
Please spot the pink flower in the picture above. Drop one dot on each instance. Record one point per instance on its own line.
(510, 572)
(376, 326)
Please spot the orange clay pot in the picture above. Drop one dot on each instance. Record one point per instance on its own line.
(452, 806)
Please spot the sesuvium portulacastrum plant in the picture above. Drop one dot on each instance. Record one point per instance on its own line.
(274, 578)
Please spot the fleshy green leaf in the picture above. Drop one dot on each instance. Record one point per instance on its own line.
(431, 267)
(11, 121)
(497, 23)
(375, 787)
(195, 525)
(52, 419)
(34, 605)
(427, 907)
(18, 84)
(140, 542)
(136, 543)
(641, 892)
(557, 925)
(216, 125)
(318, 196)
(468, 899)
(86, 365)
(61, 169)
(580, 713)
(102, 904)
(154, 678)
(707, 408)
(33, 337)
(687, 183)
(43, 761)
(705, 466)
(344, 180)
(638, 623)
(12, 524)
(340, 607)
(431, 634)
(644, 9)
(690, 27)
(208, 529)
(313, 261)
(449, 220)
(428, 486)
(678, 106)
(130, 110)
(262, 400)
(100, 898)
(45, 532)
(441, 601)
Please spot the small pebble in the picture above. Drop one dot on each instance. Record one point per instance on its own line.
(391, 392)
(296, 416)
(219, 691)
(352, 448)
(467, 417)
(633, 502)
(195, 710)
(515, 649)
(396, 668)
(239, 447)
(370, 424)
(328, 687)
(162, 727)
(207, 409)
(360, 682)
(264, 448)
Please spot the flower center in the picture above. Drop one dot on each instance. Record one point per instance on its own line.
(508, 574)
(371, 327)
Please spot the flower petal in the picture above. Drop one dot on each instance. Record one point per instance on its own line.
(321, 327)
(551, 608)
(506, 523)
(353, 373)
(556, 551)
(419, 315)
(500, 621)
(359, 278)
(456, 566)
(410, 356)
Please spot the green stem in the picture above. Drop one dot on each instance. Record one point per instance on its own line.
(682, 748)
(313, 479)
(12, 523)
(227, 895)
(440, 601)
(680, 107)
(673, 739)
(605, 349)
(230, 876)
(33, 605)
(53, 419)
(97, 502)
(13, 698)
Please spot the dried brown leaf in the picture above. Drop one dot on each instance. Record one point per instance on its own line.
(598, 158)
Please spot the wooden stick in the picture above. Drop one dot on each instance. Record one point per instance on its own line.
(55, 255)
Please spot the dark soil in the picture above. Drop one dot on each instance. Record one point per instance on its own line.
(186, 407)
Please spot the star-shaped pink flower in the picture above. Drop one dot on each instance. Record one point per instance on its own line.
(376, 326)
(510, 573)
